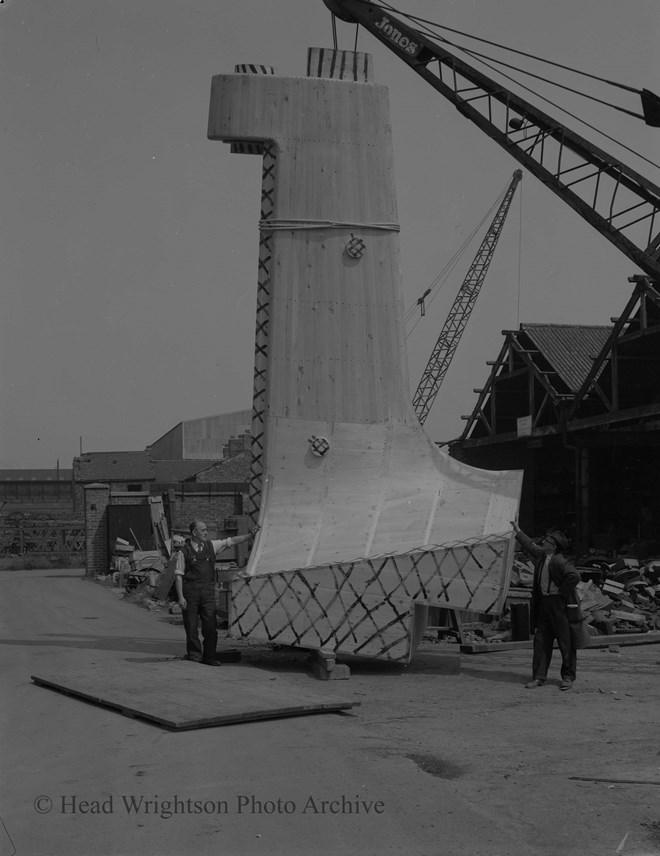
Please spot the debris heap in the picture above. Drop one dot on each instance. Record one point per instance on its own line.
(625, 599)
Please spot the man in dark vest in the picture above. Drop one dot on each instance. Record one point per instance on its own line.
(195, 588)
(553, 589)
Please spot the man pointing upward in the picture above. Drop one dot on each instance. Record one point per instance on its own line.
(195, 587)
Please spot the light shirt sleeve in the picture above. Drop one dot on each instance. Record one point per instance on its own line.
(220, 545)
(180, 566)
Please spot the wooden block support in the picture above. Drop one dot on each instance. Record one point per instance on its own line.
(324, 666)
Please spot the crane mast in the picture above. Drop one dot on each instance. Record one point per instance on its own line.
(616, 200)
(461, 309)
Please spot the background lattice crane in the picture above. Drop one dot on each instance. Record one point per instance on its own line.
(462, 307)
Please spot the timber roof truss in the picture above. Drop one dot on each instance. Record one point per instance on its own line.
(559, 378)
(624, 383)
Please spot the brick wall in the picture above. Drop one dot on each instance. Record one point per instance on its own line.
(237, 445)
(79, 490)
(119, 497)
(213, 504)
(78, 498)
(97, 498)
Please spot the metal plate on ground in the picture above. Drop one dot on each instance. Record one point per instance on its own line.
(181, 696)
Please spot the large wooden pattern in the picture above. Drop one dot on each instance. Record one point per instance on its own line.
(345, 470)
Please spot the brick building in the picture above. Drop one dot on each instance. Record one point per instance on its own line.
(200, 468)
(36, 491)
(118, 505)
(203, 438)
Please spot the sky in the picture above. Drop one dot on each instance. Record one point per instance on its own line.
(129, 240)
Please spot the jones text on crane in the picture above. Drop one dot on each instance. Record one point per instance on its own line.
(398, 37)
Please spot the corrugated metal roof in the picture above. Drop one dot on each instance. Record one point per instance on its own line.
(569, 348)
(113, 466)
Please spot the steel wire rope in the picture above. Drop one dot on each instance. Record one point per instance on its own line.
(474, 53)
(514, 50)
(520, 226)
(441, 279)
(451, 264)
(569, 113)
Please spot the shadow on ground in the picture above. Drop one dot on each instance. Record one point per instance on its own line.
(99, 643)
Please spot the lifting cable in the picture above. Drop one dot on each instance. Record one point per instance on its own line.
(514, 50)
(546, 80)
(334, 32)
(430, 32)
(441, 279)
(572, 115)
(520, 226)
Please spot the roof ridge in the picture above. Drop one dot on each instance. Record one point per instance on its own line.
(117, 452)
(570, 349)
(526, 324)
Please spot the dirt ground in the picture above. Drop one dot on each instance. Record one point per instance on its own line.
(465, 762)
(528, 758)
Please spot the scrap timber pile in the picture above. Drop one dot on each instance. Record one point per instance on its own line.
(616, 595)
(135, 568)
(627, 600)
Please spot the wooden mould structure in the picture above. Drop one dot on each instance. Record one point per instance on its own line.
(364, 520)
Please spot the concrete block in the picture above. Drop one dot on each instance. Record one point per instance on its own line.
(326, 668)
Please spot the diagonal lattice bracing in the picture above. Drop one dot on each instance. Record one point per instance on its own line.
(365, 606)
(260, 378)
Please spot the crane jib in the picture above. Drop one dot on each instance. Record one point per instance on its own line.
(598, 194)
(404, 38)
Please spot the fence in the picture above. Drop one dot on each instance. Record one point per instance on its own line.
(45, 537)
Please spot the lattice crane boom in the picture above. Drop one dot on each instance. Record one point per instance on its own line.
(621, 204)
(461, 309)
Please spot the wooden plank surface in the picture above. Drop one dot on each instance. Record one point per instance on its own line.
(336, 351)
(181, 696)
(165, 580)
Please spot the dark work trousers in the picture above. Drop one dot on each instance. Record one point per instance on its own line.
(552, 623)
(200, 604)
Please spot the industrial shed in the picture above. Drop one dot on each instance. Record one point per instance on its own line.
(578, 409)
